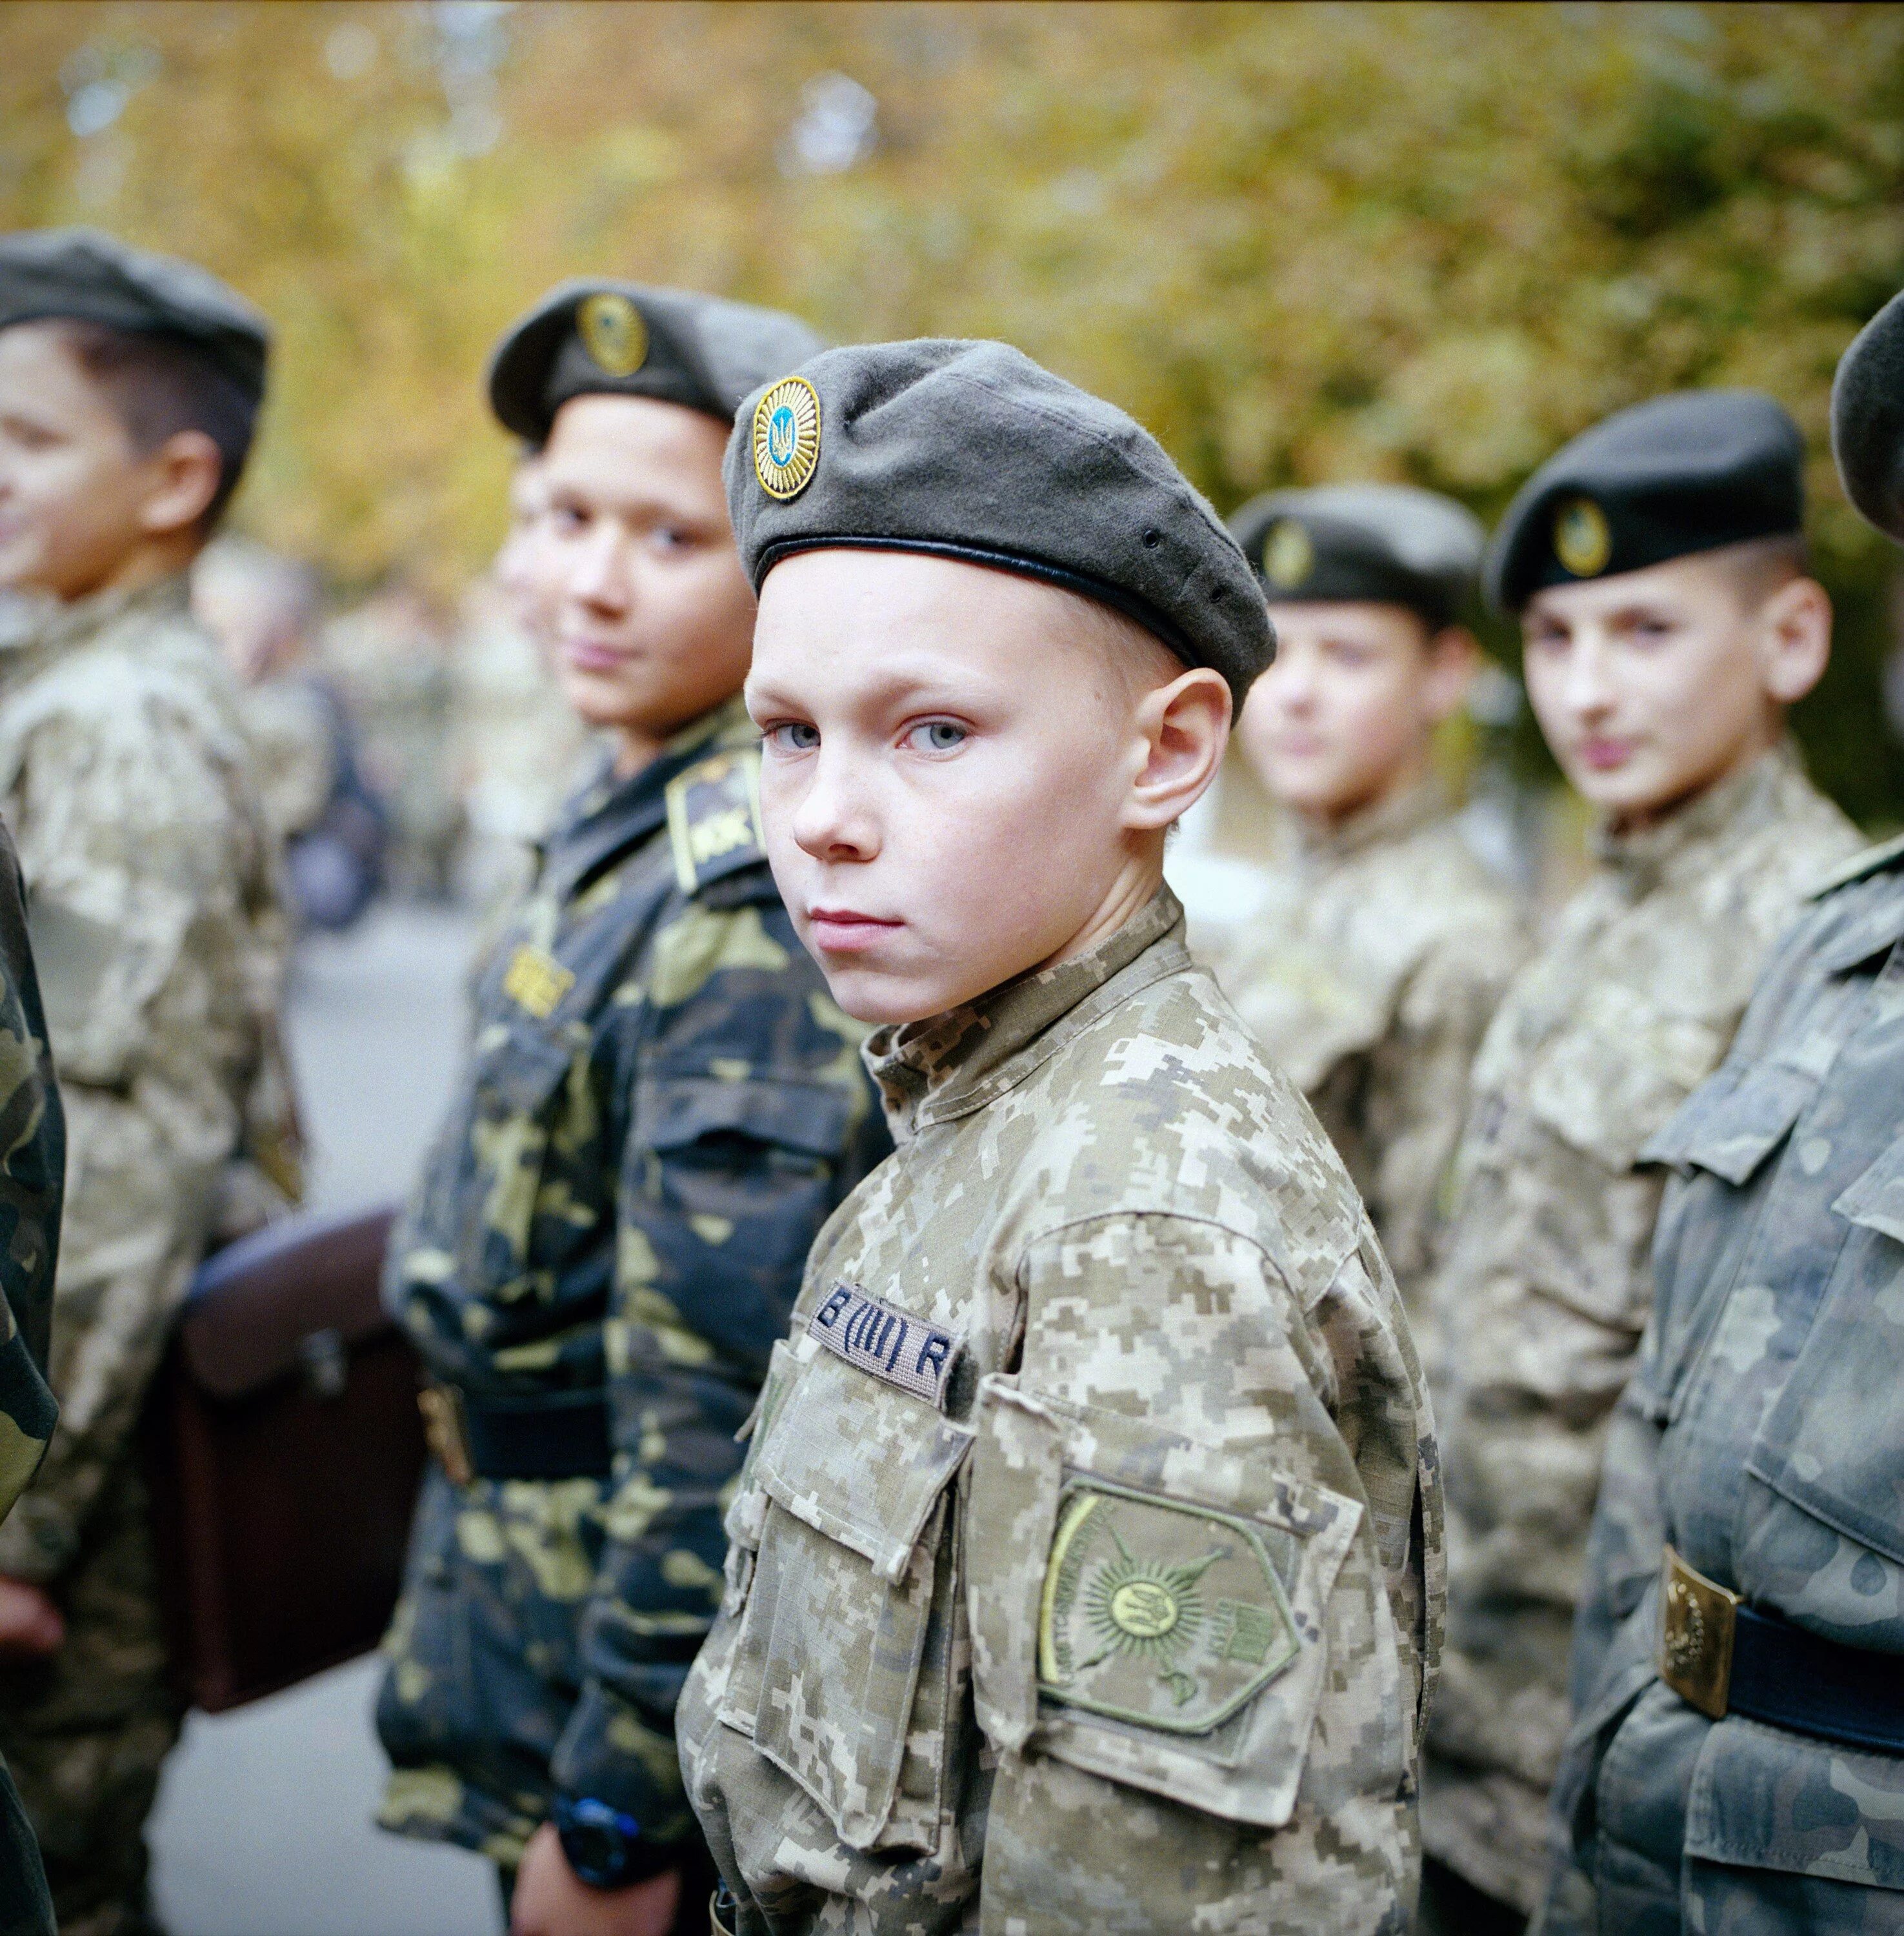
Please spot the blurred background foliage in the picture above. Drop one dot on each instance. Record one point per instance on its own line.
(1300, 242)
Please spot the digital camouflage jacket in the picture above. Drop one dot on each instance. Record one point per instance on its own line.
(32, 1171)
(661, 1107)
(1086, 1571)
(1369, 975)
(1547, 1284)
(1762, 1435)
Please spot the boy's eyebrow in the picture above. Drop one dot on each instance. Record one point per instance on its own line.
(890, 688)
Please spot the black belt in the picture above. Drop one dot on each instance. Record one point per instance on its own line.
(1725, 1658)
(564, 1436)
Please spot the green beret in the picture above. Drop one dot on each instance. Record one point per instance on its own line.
(1388, 544)
(1867, 419)
(970, 450)
(80, 275)
(623, 339)
(1686, 473)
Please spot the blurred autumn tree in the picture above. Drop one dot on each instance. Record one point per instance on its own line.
(1299, 242)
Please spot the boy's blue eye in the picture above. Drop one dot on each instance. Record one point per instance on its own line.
(939, 736)
(794, 737)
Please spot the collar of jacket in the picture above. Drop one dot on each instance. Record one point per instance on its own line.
(608, 816)
(948, 1065)
(46, 625)
(1393, 817)
(1683, 843)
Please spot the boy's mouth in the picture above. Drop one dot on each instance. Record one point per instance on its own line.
(846, 930)
(1603, 755)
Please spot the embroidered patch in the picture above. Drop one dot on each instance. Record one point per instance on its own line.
(613, 333)
(1582, 541)
(714, 818)
(1169, 1616)
(1289, 554)
(904, 1350)
(537, 981)
(787, 437)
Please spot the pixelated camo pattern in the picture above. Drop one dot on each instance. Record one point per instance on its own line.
(1166, 1288)
(1547, 1284)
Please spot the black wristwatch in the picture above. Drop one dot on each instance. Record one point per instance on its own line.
(605, 1848)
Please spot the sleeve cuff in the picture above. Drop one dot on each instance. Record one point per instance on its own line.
(608, 1753)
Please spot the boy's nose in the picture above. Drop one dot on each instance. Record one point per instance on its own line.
(832, 822)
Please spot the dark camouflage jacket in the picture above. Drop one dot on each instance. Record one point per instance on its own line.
(1763, 1437)
(662, 1107)
(32, 1173)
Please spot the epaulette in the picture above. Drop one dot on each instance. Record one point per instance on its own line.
(1873, 861)
(714, 818)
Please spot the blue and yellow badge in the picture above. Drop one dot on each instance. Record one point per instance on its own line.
(714, 818)
(1289, 554)
(612, 332)
(787, 437)
(1167, 1615)
(536, 981)
(1582, 542)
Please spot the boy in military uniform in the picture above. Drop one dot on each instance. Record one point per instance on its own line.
(662, 1106)
(1737, 1763)
(129, 385)
(1085, 1565)
(1383, 943)
(1658, 565)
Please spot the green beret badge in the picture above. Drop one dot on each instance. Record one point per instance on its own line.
(612, 332)
(787, 437)
(1582, 541)
(1289, 554)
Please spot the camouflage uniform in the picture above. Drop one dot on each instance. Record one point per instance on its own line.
(1086, 1571)
(1545, 1288)
(1761, 1435)
(128, 783)
(662, 1109)
(1369, 974)
(32, 1168)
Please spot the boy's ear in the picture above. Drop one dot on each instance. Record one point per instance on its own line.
(186, 471)
(1793, 643)
(1183, 728)
(1454, 656)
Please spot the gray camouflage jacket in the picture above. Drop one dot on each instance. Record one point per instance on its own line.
(1086, 1571)
(1763, 1436)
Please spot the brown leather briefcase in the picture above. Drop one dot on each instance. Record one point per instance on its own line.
(284, 1448)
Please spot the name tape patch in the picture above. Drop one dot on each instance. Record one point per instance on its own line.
(904, 1350)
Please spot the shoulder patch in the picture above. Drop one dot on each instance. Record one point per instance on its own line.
(714, 818)
(1872, 860)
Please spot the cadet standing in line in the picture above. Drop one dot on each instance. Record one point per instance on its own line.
(32, 1171)
(1085, 1565)
(662, 1106)
(1371, 968)
(1657, 564)
(1737, 1764)
(129, 385)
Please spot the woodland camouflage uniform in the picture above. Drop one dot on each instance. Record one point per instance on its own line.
(129, 786)
(1086, 1572)
(1369, 974)
(1547, 1285)
(662, 1107)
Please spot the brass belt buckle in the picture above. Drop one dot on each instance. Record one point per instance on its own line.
(1697, 1622)
(441, 1408)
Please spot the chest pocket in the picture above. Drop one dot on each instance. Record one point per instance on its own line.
(1834, 1443)
(844, 1673)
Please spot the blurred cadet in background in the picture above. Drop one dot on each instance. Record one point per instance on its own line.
(1743, 1619)
(129, 385)
(1382, 944)
(662, 1107)
(1659, 568)
(263, 610)
(519, 749)
(32, 1174)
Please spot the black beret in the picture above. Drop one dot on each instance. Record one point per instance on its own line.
(970, 450)
(81, 276)
(627, 340)
(1388, 543)
(1867, 419)
(1686, 473)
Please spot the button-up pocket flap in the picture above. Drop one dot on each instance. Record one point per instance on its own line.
(1730, 1125)
(862, 1461)
(1876, 1199)
(1764, 1799)
(1158, 1616)
(677, 1111)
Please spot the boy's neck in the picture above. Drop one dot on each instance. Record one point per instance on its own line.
(636, 747)
(1640, 820)
(1134, 888)
(1412, 773)
(150, 562)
